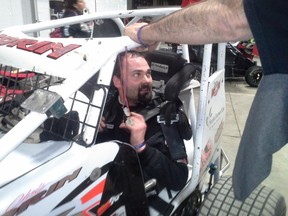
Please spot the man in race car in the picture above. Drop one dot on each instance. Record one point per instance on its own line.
(122, 121)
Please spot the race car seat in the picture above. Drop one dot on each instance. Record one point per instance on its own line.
(171, 74)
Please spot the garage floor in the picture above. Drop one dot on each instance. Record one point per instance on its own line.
(239, 97)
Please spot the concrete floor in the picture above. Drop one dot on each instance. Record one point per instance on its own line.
(239, 97)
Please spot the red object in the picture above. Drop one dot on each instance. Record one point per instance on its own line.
(56, 33)
(17, 74)
(188, 2)
(255, 50)
(7, 94)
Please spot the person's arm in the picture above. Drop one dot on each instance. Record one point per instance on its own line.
(137, 128)
(155, 164)
(211, 21)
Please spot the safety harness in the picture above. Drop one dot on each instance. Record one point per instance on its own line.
(174, 124)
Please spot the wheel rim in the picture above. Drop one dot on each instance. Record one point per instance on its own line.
(256, 76)
(192, 205)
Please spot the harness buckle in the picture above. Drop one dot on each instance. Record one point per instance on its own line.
(173, 119)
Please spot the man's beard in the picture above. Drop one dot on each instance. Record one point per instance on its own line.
(145, 98)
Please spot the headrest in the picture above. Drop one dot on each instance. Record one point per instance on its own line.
(164, 64)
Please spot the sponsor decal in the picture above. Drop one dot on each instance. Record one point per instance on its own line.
(159, 67)
(22, 202)
(38, 47)
(215, 89)
(102, 209)
(219, 132)
(205, 155)
(214, 117)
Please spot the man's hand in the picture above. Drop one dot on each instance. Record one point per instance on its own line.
(137, 128)
(132, 30)
(102, 124)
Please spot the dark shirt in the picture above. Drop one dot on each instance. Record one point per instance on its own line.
(155, 158)
(79, 30)
(267, 123)
(268, 21)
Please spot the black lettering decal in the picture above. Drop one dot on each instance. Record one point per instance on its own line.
(51, 189)
(68, 179)
(30, 201)
(11, 212)
(43, 194)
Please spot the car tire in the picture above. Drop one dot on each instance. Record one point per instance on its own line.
(191, 205)
(253, 76)
(220, 201)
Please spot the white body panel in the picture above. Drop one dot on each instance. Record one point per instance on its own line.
(41, 175)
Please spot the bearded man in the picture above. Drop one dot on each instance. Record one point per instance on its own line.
(123, 121)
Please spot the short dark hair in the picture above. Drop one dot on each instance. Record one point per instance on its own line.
(119, 60)
(69, 4)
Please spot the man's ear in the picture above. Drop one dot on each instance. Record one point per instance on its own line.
(116, 82)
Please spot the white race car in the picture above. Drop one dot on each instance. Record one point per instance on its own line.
(72, 175)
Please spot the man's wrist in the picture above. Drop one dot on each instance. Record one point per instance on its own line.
(140, 147)
(139, 36)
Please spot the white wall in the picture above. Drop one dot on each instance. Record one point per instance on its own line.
(91, 5)
(15, 12)
(43, 10)
(11, 13)
(110, 5)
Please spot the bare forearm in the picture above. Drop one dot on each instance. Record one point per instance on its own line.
(208, 22)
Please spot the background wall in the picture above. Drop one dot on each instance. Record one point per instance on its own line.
(15, 12)
(42, 13)
(110, 5)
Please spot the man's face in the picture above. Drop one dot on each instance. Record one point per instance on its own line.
(138, 80)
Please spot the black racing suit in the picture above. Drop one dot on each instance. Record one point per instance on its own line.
(155, 159)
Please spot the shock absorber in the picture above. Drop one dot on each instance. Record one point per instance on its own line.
(212, 169)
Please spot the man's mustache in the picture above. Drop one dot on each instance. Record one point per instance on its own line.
(145, 87)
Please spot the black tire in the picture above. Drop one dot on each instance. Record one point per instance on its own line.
(253, 75)
(191, 205)
(263, 201)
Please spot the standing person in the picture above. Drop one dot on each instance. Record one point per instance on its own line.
(79, 30)
(135, 94)
(216, 21)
